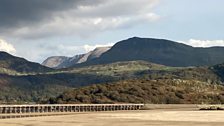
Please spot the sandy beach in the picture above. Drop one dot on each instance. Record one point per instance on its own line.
(158, 117)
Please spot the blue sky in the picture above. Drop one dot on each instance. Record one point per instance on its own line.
(61, 29)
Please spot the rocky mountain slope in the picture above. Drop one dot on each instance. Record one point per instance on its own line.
(65, 62)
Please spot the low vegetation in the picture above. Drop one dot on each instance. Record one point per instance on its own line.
(163, 91)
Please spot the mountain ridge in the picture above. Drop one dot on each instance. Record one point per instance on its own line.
(20, 65)
(160, 51)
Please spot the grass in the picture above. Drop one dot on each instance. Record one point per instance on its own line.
(118, 68)
(113, 69)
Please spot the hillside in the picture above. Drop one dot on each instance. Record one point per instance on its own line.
(32, 88)
(160, 51)
(118, 69)
(162, 91)
(39, 87)
(14, 65)
(219, 70)
(156, 84)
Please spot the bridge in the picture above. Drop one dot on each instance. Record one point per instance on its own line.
(47, 109)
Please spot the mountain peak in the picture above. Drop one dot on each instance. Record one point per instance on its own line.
(160, 51)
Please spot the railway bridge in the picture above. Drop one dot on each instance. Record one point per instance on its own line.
(65, 108)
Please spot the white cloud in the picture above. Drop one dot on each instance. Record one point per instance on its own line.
(204, 43)
(92, 47)
(87, 20)
(7, 47)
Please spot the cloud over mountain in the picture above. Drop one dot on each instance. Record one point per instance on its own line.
(7, 47)
(204, 43)
(92, 47)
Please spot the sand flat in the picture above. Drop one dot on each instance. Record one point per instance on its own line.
(128, 118)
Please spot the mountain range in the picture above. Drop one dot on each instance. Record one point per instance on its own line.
(132, 68)
(158, 51)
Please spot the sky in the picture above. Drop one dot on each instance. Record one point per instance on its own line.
(37, 29)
